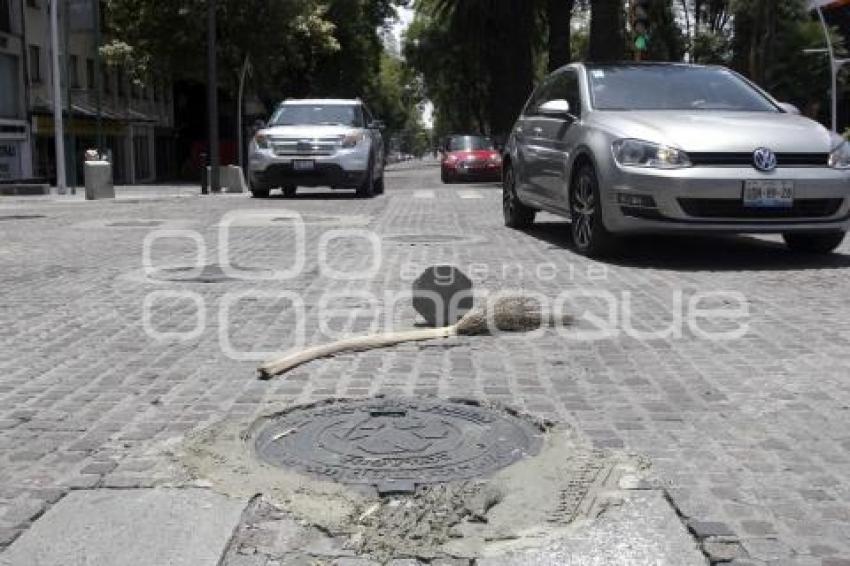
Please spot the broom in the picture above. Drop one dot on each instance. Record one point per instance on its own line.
(507, 314)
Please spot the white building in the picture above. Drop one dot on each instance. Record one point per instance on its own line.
(137, 121)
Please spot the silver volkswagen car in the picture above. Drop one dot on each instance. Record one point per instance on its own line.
(643, 147)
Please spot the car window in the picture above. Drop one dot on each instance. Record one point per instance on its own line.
(367, 115)
(469, 143)
(561, 86)
(318, 114)
(673, 87)
(565, 86)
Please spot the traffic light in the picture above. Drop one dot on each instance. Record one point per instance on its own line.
(640, 24)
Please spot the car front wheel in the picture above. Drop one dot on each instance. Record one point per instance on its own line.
(367, 187)
(814, 242)
(517, 215)
(590, 236)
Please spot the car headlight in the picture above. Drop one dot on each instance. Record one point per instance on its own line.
(639, 153)
(351, 140)
(840, 157)
(262, 141)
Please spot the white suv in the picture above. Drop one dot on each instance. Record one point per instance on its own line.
(318, 142)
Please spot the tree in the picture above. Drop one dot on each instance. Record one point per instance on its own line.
(559, 16)
(495, 39)
(151, 37)
(607, 42)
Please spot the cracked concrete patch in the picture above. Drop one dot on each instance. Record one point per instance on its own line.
(558, 505)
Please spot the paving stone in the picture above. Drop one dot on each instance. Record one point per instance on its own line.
(705, 529)
(179, 527)
(755, 424)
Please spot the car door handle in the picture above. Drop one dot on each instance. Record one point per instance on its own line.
(537, 131)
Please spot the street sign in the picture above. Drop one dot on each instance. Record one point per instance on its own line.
(442, 295)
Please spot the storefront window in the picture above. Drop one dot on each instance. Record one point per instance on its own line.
(5, 17)
(9, 84)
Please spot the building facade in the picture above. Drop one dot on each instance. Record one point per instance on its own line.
(15, 156)
(136, 120)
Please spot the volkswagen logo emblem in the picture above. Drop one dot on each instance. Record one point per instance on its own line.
(764, 159)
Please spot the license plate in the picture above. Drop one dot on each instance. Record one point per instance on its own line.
(303, 164)
(769, 194)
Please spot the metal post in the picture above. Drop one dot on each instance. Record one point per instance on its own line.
(239, 109)
(72, 142)
(98, 77)
(833, 69)
(58, 130)
(212, 98)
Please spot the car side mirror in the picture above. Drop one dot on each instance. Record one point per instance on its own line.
(559, 108)
(789, 108)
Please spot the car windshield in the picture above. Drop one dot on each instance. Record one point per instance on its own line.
(317, 115)
(672, 87)
(469, 143)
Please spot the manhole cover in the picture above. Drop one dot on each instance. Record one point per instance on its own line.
(309, 218)
(22, 217)
(395, 444)
(190, 274)
(135, 224)
(426, 239)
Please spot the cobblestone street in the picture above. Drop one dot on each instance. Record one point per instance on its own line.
(103, 369)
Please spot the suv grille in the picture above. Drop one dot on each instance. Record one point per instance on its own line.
(746, 159)
(305, 146)
(732, 208)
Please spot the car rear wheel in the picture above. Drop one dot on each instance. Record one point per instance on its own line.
(814, 242)
(590, 236)
(290, 191)
(445, 177)
(517, 215)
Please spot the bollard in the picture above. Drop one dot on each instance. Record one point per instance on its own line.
(98, 177)
(205, 186)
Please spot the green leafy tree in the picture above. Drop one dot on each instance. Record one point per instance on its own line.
(607, 27)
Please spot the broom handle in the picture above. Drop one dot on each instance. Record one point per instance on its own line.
(286, 363)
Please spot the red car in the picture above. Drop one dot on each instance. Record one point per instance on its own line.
(470, 158)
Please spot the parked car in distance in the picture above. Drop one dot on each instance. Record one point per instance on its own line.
(470, 158)
(662, 147)
(318, 142)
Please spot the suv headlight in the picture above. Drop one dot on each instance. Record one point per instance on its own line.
(639, 153)
(351, 140)
(262, 141)
(840, 157)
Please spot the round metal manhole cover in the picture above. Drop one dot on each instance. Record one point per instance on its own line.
(311, 219)
(21, 217)
(208, 274)
(135, 224)
(428, 239)
(396, 442)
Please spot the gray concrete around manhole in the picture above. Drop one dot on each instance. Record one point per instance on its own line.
(643, 529)
(396, 444)
(146, 527)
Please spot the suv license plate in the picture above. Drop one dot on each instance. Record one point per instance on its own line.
(769, 194)
(303, 165)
